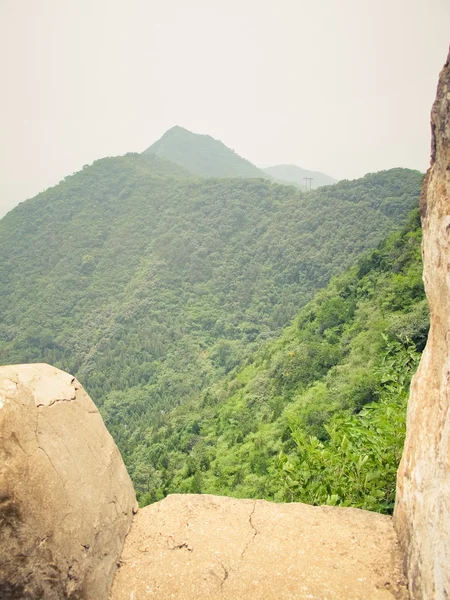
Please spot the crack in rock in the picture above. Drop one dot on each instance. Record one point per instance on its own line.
(56, 400)
(255, 531)
(171, 546)
(226, 574)
(183, 545)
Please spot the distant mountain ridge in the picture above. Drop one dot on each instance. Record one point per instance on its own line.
(296, 176)
(203, 155)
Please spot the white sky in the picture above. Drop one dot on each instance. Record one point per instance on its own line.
(340, 86)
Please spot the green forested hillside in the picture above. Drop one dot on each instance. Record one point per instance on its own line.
(150, 284)
(295, 175)
(203, 155)
(132, 274)
(318, 415)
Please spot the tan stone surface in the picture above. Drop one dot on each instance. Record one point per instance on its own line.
(200, 547)
(422, 513)
(66, 500)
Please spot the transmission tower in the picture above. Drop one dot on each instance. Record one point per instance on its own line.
(306, 180)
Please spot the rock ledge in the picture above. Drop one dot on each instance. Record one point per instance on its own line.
(200, 547)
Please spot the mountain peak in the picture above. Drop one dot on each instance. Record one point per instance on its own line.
(177, 128)
(202, 155)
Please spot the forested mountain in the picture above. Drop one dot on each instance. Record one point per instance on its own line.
(150, 284)
(317, 416)
(132, 273)
(203, 155)
(295, 175)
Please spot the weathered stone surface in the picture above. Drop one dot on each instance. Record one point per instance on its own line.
(207, 547)
(66, 500)
(422, 512)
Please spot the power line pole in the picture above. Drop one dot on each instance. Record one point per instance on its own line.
(306, 179)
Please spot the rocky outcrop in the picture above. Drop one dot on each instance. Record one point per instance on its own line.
(208, 548)
(422, 512)
(66, 504)
(66, 500)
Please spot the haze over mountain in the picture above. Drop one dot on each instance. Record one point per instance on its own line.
(296, 176)
(243, 75)
(202, 155)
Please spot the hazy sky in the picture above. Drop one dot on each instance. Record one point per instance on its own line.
(340, 86)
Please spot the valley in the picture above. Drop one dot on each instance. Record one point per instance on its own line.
(166, 292)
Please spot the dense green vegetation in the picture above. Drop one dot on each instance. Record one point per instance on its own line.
(317, 415)
(203, 155)
(295, 175)
(138, 278)
(152, 285)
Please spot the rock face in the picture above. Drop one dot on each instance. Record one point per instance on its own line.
(207, 547)
(422, 512)
(66, 504)
(66, 500)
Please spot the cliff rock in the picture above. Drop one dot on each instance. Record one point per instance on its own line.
(66, 500)
(422, 513)
(208, 548)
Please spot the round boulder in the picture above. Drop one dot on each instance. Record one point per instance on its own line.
(66, 500)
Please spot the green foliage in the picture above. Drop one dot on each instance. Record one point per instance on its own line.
(318, 414)
(357, 465)
(132, 274)
(165, 294)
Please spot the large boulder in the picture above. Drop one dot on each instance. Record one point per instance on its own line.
(422, 512)
(66, 500)
(208, 548)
